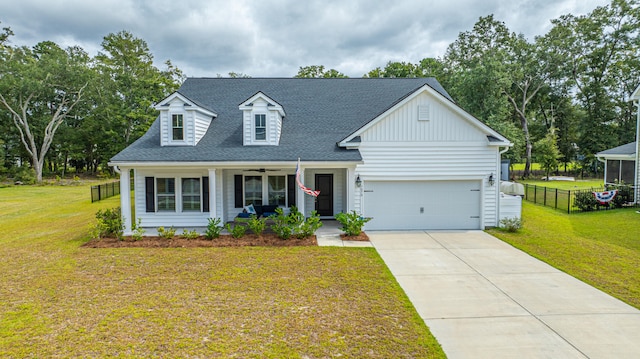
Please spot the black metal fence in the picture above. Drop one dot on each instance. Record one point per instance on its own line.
(581, 200)
(102, 191)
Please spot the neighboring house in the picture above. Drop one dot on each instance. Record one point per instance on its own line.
(623, 162)
(397, 150)
(619, 164)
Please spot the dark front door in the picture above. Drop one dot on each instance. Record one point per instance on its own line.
(324, 202)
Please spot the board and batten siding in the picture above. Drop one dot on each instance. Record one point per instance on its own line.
(442, 146)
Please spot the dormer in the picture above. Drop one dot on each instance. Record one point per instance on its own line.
(261, 121)
(182, 122)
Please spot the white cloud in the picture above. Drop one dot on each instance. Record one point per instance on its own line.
(275, 38)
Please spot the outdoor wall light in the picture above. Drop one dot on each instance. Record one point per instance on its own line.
(358, 181)
(491, 180)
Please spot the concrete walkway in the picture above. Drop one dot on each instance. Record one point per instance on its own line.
(482, 298)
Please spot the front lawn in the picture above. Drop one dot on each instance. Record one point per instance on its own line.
(567, 185)
(58, 299)
(600, 248)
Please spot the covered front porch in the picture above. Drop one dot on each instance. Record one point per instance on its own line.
(187, 196)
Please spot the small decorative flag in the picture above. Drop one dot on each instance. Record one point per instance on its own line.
(306, 190)
(605, 197)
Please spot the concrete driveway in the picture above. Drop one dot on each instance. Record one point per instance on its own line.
(482, 298)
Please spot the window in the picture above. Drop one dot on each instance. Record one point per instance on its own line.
(166, 194)
(261, 127)
(190, 194)
(277, 190)
(253, 190)
(177, 127)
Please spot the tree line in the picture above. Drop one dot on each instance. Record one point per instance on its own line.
(560, 98)
(61, 108)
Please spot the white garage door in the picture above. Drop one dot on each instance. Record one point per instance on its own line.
(397, 205)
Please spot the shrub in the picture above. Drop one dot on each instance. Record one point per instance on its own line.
(586, 201)
(166, 233)
(624, 195)
(109, 223)
(511, 224)
(138, 231)
(257, 225)
(193, 234)
(282, 224)
(294, 224)
(213, 228)
(309, 226)
(25, 174)
(237, 231)
(352, 223)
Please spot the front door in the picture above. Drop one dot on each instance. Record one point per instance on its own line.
(324, 202)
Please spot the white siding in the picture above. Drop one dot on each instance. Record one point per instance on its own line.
(445, 147)
(273, 119)
(443, 124)
(164, 127)
(195, 124)
(201, 125)
(167, 219)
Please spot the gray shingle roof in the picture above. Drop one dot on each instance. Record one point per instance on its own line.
(319, 113)
(627, 149)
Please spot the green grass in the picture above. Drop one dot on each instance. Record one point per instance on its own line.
(599, 248)
(567, 185)
(58, 299)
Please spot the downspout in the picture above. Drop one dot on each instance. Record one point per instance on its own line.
(116, 169)
(637, 179)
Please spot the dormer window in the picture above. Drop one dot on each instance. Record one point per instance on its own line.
(261, 121)
(182, 122)
(177, 127)
(260, 127)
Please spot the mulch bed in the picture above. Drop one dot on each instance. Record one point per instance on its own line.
(225, 240)
(361, 237)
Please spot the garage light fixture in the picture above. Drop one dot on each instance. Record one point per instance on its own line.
(491, 180)
(358, 181)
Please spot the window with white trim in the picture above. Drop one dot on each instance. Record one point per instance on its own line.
(177, 127)
(252, 190)
(166, 194)
(260, 127)
(190, 194)
(277, 190)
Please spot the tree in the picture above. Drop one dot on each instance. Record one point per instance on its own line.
(130, 84)
(396, 69)
(40, 87)
(318, 71)
(601, 66)
(477, 77)
(547, 153)
(236, 75)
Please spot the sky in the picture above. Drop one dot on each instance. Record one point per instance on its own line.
(274, 38)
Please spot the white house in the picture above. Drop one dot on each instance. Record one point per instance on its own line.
(397, 150)
(622, 162)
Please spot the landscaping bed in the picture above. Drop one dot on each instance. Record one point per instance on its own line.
(225, 240)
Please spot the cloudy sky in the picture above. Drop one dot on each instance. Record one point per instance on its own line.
(267, 38)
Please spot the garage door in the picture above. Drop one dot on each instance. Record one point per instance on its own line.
(397, 205)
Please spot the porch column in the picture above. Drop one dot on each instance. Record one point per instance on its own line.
(125, 200)
(213, 211)
(300, 195)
